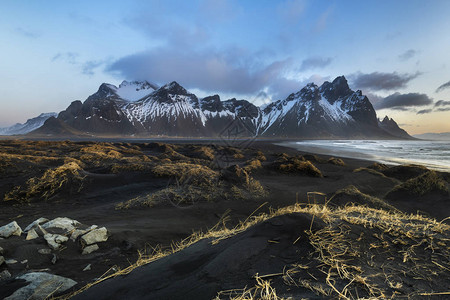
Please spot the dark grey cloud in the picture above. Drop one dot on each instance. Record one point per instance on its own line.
(408, 54)
(378, 81)
(424, 111)
(404, 100)
(315, 63)
(222, 71)
(441, 103)
(443, 109)
(27, 33)
(443, 87)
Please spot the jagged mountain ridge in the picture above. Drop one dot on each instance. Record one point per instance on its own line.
(332, 110)
(29, 125)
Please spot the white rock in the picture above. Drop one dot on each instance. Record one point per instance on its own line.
(44, 251)
(41, 286)
(54, 259)
(77, 232)
(90, 249)
(1, 250)
(24, 261)
(10, 229)
(64, 223)
(35, 223)
(31, 235)
(10, 261)
(5, 275)
(95, 236)
(87, 268)
(55, 240)
(2, 260)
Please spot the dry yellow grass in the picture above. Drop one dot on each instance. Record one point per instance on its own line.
(187, 173)
(69, 176)
(391, 249)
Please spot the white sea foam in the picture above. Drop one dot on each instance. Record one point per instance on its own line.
(432, 154)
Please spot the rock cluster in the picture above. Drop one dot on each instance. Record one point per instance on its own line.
(55, 234)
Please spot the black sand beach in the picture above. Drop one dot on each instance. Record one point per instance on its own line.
(150, 196)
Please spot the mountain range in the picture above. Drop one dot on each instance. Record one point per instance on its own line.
(143, 109)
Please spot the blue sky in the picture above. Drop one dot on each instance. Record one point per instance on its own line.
(396, 52)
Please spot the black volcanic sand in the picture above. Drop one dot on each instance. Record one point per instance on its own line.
(113, 173)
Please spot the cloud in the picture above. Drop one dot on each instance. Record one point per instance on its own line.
(408, 54)
(27, 33)
(424, 111)
(442, 103)
(404, 100)
(68, 57)
(443, 109)
(378, 81)
(399, 108)
(315, 63)
(443, 87)
(208, 70)
(222, 10)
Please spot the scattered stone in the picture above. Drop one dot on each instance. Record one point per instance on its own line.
(44, 251)
(2, 260)
(90, 249)
(1, 250)
(5, 275)
(31, 235)
(55, 240)
(87, 268)
(64, 223)
(10, 261)
(95, 236)
(41, 286)
(10, 229)
(35, 223)
(54, 259)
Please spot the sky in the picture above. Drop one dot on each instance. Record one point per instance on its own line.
(396, 52)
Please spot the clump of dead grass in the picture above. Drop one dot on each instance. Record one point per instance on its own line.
(187, 173)
(336, 161)
(68, 177)
(429, 182)
(295, 165)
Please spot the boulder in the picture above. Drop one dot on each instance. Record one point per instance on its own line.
(10, 229)
(64, 223)
(95, 236)
(1, 250)
(90, 249)
(31, 235)
(35, 223)
(2, 260)
(87, 268)
(55, 240)
(41, 286)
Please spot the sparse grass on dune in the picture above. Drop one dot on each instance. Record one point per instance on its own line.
(68, 176)
(429, 182)
(361, 253)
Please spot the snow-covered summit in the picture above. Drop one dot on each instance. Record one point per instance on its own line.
(134, 90)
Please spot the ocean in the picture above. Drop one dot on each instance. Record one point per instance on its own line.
(432, 154)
